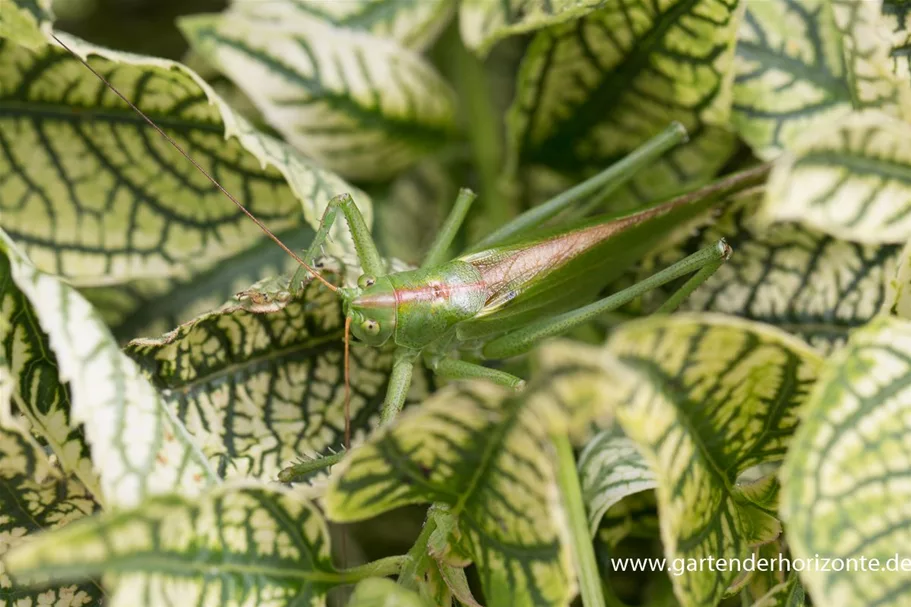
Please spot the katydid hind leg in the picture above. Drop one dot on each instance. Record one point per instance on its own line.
(704, 263)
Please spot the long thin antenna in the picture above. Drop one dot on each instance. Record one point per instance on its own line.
(347, 384)
(168, 138)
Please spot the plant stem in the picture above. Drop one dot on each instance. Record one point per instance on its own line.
(298, 472)
(379, 568)
(580, 542)
(417, 557)
(484, 126)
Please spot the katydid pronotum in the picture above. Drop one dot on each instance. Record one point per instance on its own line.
(518, 286)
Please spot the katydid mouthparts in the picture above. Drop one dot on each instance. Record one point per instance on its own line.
(519, 285)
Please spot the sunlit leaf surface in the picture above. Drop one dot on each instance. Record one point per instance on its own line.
(844, 488)
(851, 180)
(137, 447)
(242, 545)
(414, 23)
(705, 398)
(361, 105)
(92, 193)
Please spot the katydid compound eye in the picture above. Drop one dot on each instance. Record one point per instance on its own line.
(371, 327)
(366, 280)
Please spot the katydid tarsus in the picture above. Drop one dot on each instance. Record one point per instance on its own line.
(519, 285)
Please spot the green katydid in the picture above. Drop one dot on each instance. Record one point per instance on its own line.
(517, 286)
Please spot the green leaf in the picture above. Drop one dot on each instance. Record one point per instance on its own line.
(489, 457)
(611, 468)
(851, 180)
(137, 447)
(485, 22)
(705, 398)
(35, 384)
(361, 105)
(867, 44)
(796, 278)
(786, 594)
(26, 22)
(382, 592)
(790, 73)
(844, 489)
(413, 23)
(260, 383)
(591, 91)
(238, 545)
(33, 498)
(92, 193)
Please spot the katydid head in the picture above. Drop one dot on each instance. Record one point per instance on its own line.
(371, 308)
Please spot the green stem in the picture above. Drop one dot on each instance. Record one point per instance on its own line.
(379, 568)
(418, 557)
(580, 541)
(484, 126)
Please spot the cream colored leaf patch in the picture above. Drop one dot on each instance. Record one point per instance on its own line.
(383, 592)
(705, 398)
(591, 90)
(413, 23)
(138, 448)
(611, 468)
(237, 545)
(852, 180)
(361, 105)
(25, 21)
(488, 457)
(844, 490)
(791, 74)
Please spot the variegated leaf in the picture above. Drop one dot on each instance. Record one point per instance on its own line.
(260, 383)
(867, 44)
(591, 91)
(413, 23)
(94, 194)
(796, 278)
(236, 545)
(611, 468)
(25, 21)
(791, 74)
(484, 22)
(844, 488)
(705, 398)
(137, 446)
(361, 105)
(382, 592)
(36, 387)
(33, 498)
(487, 456)
(851, 180)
